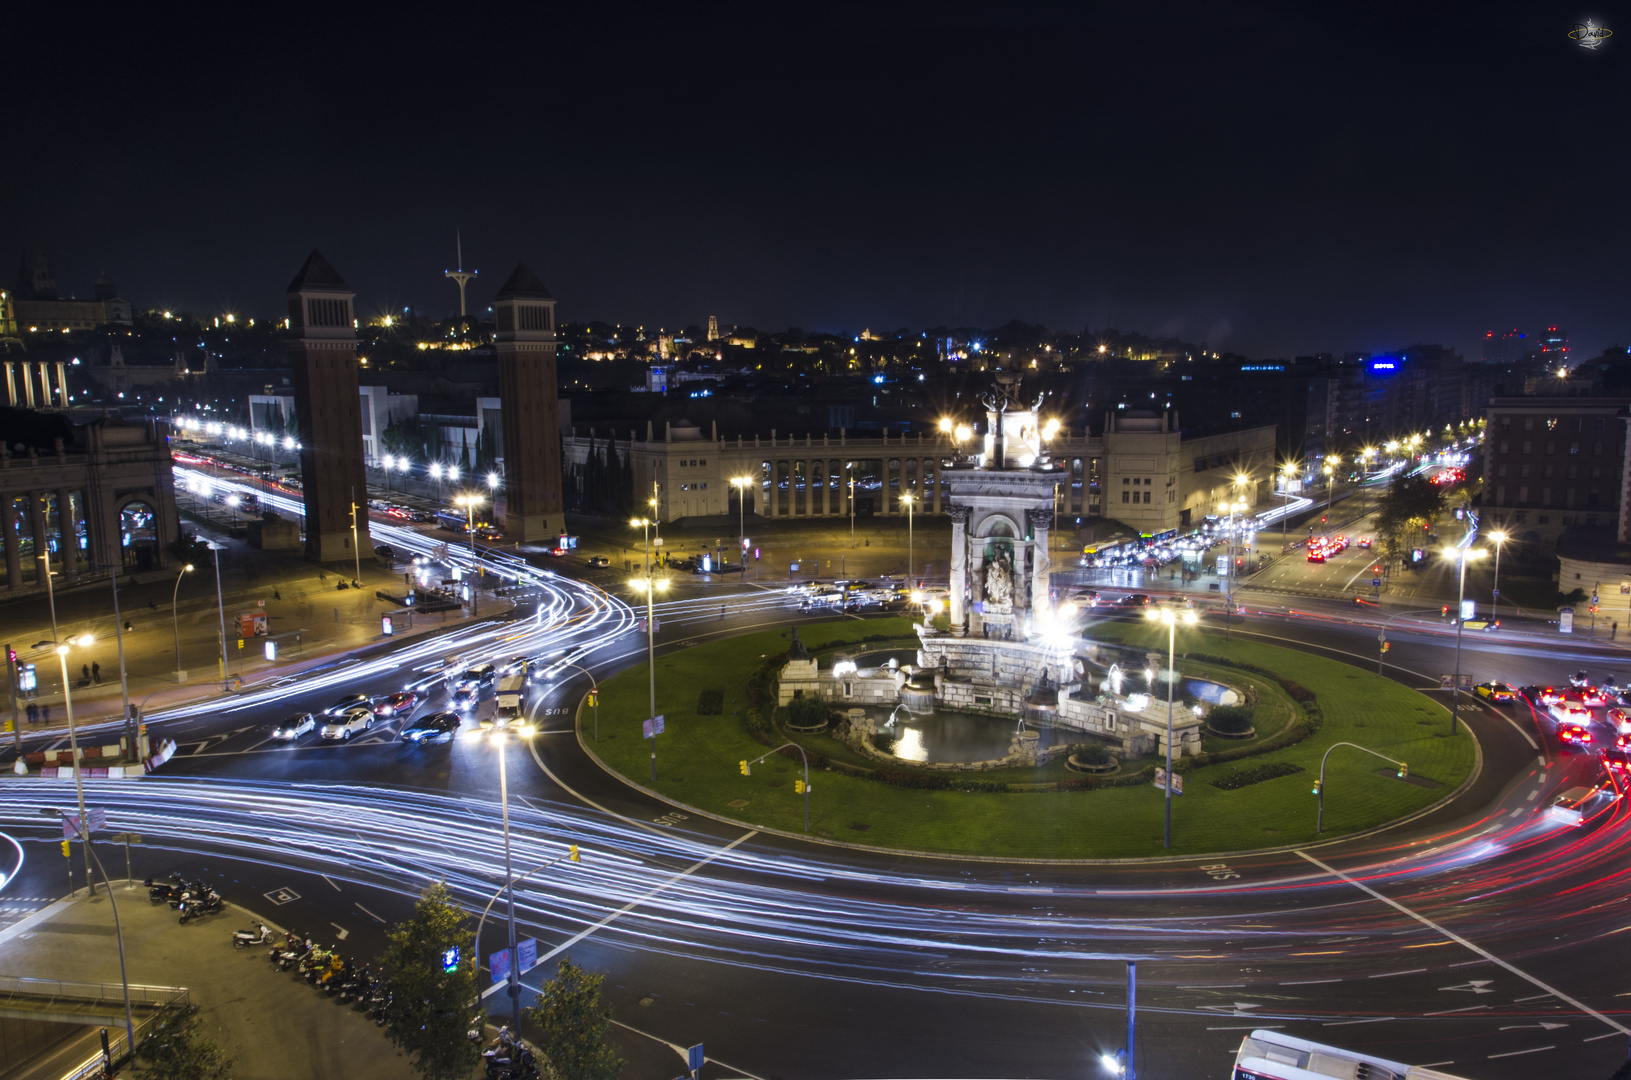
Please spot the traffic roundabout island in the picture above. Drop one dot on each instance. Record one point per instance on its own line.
(908, 753)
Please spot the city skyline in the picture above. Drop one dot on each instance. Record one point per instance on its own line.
(1264, 187)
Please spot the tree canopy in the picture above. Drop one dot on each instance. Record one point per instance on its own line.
(1411, 503)
(574, 1021)
(431, 1007)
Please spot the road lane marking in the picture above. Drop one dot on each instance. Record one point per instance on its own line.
(1309, 982)
(344, 933)
(325, 877)
(1515, 1053)
(1458, 939)
(1465, 1008)
(1368, 1020)
(1390, 974)
(631, 905)
(370, 914)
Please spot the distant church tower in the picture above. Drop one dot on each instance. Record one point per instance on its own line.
(524, 317)
(323, 355)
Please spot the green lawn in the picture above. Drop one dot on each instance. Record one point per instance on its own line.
(698, 765)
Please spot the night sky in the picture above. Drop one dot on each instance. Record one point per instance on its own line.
(1266, 184)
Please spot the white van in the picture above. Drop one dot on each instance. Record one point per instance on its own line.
(512, 694)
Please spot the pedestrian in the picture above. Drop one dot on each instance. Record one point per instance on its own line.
(127, 626)
(276, 595)
(323, 577)
(1612, 630)
(33, 713)
(85, 673)
(96, 673)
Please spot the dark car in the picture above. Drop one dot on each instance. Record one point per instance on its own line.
(482, 677)
(436, 727)
(350, 701)
(1136, 599)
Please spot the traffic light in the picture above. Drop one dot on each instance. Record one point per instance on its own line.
(594, 698)
(1404, 770)
(572, 852)
(65, 849)
(798, 787)
(1386, 645)
(1316, 787)
(744, 768)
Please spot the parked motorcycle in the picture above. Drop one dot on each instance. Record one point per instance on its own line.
(197, 906)
(337, 977)
(292, 952)
(379, 1004)
(242, 939)
(164, 892)
(514, 1063)
(359, 985)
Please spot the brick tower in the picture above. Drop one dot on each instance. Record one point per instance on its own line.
(323, 354)
(524, 313)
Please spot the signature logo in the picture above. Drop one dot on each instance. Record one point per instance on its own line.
(1588, 35)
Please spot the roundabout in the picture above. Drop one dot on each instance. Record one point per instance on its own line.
(1239, 794)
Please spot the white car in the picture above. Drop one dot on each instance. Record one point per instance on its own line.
(1570, 712)
(294, 726)
(348, 723)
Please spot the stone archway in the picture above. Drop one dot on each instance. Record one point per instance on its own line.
(138, 536)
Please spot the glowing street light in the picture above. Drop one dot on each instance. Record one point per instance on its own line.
(470, 501)
(1500, 538)
(1461, 556)
(1171, 618)
(175, 616)
(651, 586)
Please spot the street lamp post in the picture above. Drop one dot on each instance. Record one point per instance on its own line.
(851, 468)
(740, 483)
(175, 616)
(651, 585)
(908, 499)
(221, 608)
(1172, 619)
(1460, 555)
(73, 748)
(470, 502)
(50, 592)
(356, 549)
(500, 736)
(1500, 538)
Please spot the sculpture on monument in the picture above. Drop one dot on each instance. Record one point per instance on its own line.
(999, 583)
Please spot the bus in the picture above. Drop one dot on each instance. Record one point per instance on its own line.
(1270, 1055)
(453, 521)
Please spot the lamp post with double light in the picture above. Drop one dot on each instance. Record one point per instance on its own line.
(470, 501)
(908, 499)
(740, 483)
(1171, 619)
(501, 735)
(651, 585)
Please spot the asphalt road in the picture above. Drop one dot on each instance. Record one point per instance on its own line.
(1472, 938)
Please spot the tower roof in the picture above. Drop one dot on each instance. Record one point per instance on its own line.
(522, 284)
(318, 274)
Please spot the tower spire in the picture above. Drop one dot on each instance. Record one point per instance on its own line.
(461, 275)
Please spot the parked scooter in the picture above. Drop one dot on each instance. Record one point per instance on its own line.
(514, 1063)
(290, 952)
(314, 962)
(340, 973)
(359, 986)
(242, 939)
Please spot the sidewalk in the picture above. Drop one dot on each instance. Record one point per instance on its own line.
(273, 1022)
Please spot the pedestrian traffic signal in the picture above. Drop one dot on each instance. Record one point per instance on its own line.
(798, 787)
(744, 767)
(572, 852)
(65, 849)
(1404, 770)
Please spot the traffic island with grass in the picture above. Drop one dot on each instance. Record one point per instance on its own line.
(1239, 794)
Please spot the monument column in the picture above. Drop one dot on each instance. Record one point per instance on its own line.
(328, 405)
(959, 567)
(524, 321)
(1040, 520)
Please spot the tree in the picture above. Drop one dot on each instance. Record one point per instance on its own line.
(574, 1021)
(175, 1049)
(1410, 503)
(430, 1009)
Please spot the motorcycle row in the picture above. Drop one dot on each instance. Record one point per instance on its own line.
(327, 970)
(194, 899)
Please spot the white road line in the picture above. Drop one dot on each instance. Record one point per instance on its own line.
(1459, 940)
(1532, 796)
(1452, 1012)
(1515, 1053)
(1309, 982)
(1390, 974)
(631, 905)
(1369, 1020)
(325, 877)
(368, 913)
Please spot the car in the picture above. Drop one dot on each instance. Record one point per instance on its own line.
(295, 725)
(434, 727)
(481, 677)
(1620, 720)
(400, 703)
(1085, 597)
(348, 723)
(1495, 691)
(1617, 758)
(1480, 624)
(1573, 735)
(1550, 695)
(1364, 542)
(465, 697)
(1136, 599)
(1590, 696)
(599, 561)
(1316, 555)
(385, 551)
(1569, 712)
(350, 701)
(487, 532)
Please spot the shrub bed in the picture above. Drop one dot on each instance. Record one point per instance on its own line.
(1256, 774)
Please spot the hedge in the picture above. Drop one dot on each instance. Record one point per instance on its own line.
(1269, 770)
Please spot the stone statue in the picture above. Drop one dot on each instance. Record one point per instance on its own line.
(999, 582)
(797, 649)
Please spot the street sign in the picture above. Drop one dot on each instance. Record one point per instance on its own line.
(526, 954)
(70, 822)
(1469, 609)
(1376, 582)
(499, 965)
(1177, 781)
(694, 1057)
(653, 727)
(126, 838)
(1447, 682)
